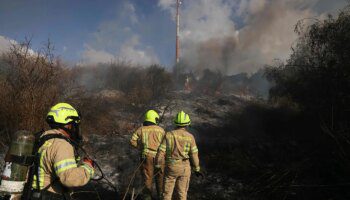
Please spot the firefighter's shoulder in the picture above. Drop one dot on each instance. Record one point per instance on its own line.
(161, 129)
(186, 134)
(60, 150)
(55, 138)
(61, 143)
(58, 143)
(157, 128)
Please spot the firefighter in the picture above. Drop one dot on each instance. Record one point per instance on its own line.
(178, 149)
(147, 138)
(57, 169)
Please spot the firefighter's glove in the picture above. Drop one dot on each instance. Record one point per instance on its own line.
(89, 162)
(199, 174)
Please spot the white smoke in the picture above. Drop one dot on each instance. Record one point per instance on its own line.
(93, 56)
(242, 35)
(5, 44)
(131, 52)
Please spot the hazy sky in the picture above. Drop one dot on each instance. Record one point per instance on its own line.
(229, 35)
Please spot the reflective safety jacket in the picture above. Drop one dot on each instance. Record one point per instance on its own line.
(177, 146)
(58, 166)
(148, 139)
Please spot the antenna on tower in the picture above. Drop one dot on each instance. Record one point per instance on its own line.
(177, 53)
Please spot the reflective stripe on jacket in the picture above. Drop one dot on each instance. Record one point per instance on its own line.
(58, 165)
(148, 139)
(177, 146)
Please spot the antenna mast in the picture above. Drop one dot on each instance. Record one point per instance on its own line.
(177, 53)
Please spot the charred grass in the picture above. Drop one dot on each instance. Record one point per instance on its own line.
(270, 152)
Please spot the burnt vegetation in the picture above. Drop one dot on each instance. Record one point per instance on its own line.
(296, 145)
(316, 79)
(291, 144)
(30, 82)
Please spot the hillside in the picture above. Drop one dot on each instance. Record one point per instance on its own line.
(118, 159)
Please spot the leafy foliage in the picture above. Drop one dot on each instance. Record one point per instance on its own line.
(316, 82)
(317, 75)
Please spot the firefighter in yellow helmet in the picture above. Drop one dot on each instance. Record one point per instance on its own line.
(147, 138)
(56, 167)
(178, 147)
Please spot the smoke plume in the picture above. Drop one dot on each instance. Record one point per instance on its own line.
(243, 35)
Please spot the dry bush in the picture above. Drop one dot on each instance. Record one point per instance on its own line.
(149, 85)
(138, 96)
(31, 82)
(83, 93)
(158, 81)
(96, 113)
(140, 85)
(136, 88)
(210, 83)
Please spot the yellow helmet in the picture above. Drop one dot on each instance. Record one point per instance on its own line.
(152, 116)
(182, 119)
(63, 113)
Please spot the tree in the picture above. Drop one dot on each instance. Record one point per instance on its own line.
(31, 82)
(316, 78)
(317, 75)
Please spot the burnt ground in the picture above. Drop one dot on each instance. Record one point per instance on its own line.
(118, 160)
(208, 114)
(237, 140)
